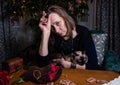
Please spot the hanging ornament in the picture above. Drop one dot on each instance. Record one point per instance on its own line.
(78, 1)
(23, 6)
(85, 1)
(33, 7)
(14, 12)
(83, 11)
(13, 1)
(70, 7)
(23, 1)
(14, 19)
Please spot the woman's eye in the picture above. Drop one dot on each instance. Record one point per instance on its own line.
(53, 28)
(58, 23)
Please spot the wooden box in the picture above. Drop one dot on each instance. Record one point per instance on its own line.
(13, 65)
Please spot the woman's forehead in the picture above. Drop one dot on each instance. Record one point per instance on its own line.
(54, 17)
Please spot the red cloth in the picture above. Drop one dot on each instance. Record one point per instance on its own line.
(4, 78)
(53, 72)
(42, 75)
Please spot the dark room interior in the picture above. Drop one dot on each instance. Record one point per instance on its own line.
(20, 34)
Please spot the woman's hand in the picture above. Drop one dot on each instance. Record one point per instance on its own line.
(45, 24)
(65, 64)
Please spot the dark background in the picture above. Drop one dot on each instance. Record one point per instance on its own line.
(16, 39)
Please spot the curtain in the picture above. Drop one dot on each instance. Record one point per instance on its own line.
(108, 20)
(8, 46)
(15, 39)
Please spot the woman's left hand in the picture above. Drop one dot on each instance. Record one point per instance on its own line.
(64, 63)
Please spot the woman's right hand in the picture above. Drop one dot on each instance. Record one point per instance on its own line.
(45, 27)
(45, 24)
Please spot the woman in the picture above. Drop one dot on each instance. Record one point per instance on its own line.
(68, 39)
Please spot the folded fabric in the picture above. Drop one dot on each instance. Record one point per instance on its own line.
(49, 73)
(4, 78)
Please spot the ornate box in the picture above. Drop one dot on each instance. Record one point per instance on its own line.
(13, 65)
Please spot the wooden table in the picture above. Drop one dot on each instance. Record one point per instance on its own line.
(75, 75)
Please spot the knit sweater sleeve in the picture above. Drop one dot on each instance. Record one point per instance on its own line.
(88, 47)
(90, 50)
(45, 60)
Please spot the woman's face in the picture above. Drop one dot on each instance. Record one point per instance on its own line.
(58, 24)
